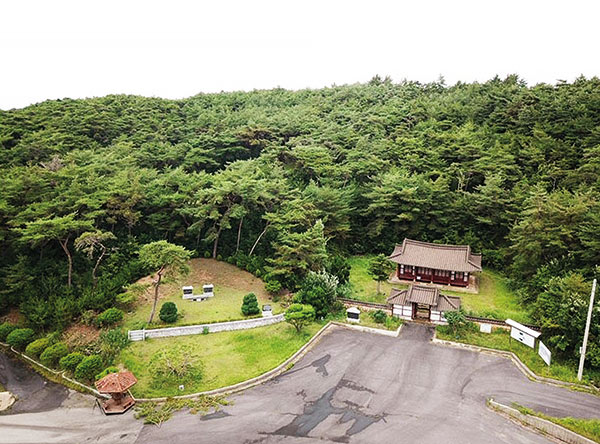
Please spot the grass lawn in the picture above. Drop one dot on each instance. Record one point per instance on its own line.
(495, 300)
(499, 339)
(589, 428)
(228, 357)
(231, 285)
(364, 288)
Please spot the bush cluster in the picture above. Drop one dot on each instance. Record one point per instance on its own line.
(71, 361)
(106, 371)
(20, 337)
(35, 348)
(53, 354)
(110, 316)
(88, 368)
(5, 329)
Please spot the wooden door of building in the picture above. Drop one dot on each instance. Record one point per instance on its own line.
(421, 311)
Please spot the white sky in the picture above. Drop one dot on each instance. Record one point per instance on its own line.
(53, 48)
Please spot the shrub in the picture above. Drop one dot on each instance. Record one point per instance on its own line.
(35, 348)
(219, 257)
(5, 330)
(230, 260)
(272, 286)
(379, 316)
(89, 367)
(71, 361)
(106, 371)
(20, 337)
(318, 290)
(207, 254)
(205, 330)
(299, 315)
(168, 312)
(250, 305)
(109, 317)
(88, 317)
(176, 365)
(112, 342)
(53, 354)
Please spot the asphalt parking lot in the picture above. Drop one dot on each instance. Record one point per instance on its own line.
(360, 387)
(351, 387)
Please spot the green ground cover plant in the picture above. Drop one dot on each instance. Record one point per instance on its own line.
(227, 357)
(590, 428)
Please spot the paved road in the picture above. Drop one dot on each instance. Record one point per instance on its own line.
(352, 387)
(358, 387)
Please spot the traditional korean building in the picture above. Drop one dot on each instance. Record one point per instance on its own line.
(419, 302)
(437, 263)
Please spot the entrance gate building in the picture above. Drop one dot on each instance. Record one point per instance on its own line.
(424, 303)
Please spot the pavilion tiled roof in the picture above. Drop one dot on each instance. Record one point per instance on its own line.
(116, 382)
(424, 295)
(436, 256)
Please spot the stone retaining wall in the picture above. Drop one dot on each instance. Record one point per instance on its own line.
(140, 335)
(544, 425)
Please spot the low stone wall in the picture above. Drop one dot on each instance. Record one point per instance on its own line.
(541, 424)
(140, 335)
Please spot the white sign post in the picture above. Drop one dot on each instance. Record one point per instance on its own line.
(544, 353)
(586, 333)
(524, 335)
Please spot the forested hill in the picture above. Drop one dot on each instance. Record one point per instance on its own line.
(298, 179)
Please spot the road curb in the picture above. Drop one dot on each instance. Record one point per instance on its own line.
(540, 424)
(378, 331)
(519, 364)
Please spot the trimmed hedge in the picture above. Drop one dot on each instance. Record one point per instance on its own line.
(71, 361)
(88, 368)
(20, 337)
(53, 354)
(5, 330)
(37, 347)
(110, 316)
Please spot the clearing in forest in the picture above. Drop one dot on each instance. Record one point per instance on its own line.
(231, 285)
(495, 299)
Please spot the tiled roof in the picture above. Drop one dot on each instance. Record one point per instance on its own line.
(436, 256)
(397, 297)
(116, 382)
(424, 295)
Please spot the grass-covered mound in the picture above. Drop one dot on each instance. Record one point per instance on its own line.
(231, 285)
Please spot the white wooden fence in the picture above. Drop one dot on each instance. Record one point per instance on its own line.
(140, 335)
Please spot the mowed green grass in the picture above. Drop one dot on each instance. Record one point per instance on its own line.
(364, 288)
(228, 357)
(495, 300)
(231, 285)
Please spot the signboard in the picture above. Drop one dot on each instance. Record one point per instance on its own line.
(544, 353)
(523, 334)
(485, 328)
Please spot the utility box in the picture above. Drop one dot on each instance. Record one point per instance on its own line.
(353, 314)
(267, 311)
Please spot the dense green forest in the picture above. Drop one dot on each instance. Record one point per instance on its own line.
(291, 181)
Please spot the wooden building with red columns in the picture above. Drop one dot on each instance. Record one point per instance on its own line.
(435, 263)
